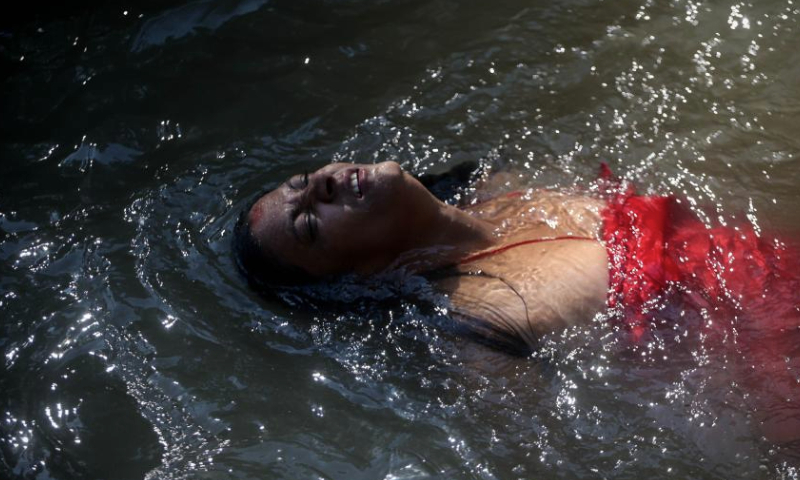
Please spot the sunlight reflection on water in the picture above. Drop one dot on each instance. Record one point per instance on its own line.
(124, 312)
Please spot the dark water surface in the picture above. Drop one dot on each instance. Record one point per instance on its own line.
(132, 135)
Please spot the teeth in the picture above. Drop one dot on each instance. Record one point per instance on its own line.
(354, 183)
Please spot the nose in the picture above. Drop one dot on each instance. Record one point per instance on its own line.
(323, 187)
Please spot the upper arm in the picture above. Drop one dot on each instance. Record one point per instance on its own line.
(492, 309)
(539, 290)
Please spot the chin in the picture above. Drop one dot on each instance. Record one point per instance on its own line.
(385, 185)
(388, 178)
(389, 168)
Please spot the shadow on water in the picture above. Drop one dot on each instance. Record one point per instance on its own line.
(132, 136)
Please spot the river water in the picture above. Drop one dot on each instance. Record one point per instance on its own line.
(131, 136)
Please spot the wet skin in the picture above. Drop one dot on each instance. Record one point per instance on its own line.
(325, 225)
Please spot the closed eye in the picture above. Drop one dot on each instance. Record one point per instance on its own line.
(298, 182)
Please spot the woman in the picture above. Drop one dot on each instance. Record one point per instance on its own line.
(516, 266)
(520, 266)
(376, 219)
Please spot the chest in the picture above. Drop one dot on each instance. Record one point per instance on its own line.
(534, 289)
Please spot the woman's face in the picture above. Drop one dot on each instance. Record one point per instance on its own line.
(343, 218)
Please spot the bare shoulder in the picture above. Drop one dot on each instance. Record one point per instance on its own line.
(534, 289)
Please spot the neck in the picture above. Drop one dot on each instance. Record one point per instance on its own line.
(451, 234)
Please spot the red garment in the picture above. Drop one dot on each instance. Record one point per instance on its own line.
(657, 246)
(745, 287)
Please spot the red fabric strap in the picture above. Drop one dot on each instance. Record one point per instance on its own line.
(502, 249)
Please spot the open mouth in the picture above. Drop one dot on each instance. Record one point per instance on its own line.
(355, 184)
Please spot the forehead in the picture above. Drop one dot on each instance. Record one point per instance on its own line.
(270, 222)
(265, 207)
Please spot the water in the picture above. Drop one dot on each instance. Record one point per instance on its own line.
(131, 137)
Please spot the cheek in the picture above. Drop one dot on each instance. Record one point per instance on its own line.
(357, 235)
(385, 234)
